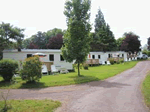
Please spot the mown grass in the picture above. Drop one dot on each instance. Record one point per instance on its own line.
(30, 105)
(146, 89)
(93, 74)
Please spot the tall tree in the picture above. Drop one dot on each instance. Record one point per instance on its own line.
(77, 39)
(55, 42)
(148, 43)
(131, 43)
(9, 35)
(99, 21)
(119, 42)
(103, 34)
(39, 40)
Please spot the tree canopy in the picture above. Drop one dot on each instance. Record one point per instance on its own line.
(42, 40)
(9, 34)
(131, 43)
(77, 39)
(103, 34)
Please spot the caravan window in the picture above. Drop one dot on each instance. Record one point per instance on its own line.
(29, 55)
(99, 56)
(93, 56)
(51, 57)
(61, 58)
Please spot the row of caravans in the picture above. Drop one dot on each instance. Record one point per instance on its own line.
(54, 57)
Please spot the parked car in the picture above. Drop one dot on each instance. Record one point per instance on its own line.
(143, 56)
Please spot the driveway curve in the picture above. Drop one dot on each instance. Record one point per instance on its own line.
(120, 93)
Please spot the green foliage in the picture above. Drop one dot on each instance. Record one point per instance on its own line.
(8, 68)
(85, 66)
(103, 34)
(146, 89)
(121, 60)
(8, 34)
(119, 41)
(77, 39)
(31, 69)
(144, 52)
(93, 74)
(148, 53)
(111, 60)
(31, 105)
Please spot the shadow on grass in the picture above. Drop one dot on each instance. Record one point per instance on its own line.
(83, 79)
(5, 84)
(29, 85)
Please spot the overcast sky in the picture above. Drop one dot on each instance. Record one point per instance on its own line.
(42, 15)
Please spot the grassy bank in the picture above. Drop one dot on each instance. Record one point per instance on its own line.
(146, 89)
(30, 105)
(93, 74)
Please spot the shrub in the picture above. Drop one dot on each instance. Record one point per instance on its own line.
(121, 60)
(85, 66)
(31, 69)
(148, 53)
(8, 68)
(112, 61)
(118, 62)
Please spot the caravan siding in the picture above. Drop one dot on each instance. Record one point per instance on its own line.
(21, 56)
(103, 56)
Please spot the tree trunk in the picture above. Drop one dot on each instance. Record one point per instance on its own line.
(78, 69)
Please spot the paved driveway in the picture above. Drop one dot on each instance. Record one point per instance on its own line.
(120, 93)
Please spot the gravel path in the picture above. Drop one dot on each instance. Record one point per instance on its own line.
(120, 93)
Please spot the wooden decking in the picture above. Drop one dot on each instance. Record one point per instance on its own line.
(92, 61)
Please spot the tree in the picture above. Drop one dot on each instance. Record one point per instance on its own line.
(99, 21)
(55, 42)
(119, 42)
(103, 34)
(39, 40)
(8, 34)
(26, 43)
(148, 42)
(131, 43)
(77, 39)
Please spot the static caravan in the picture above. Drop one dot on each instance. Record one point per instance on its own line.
(53, 57)
(104, 56)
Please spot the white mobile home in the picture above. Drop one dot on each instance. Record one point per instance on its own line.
(103, 56)
(98, 57)
(53, 57)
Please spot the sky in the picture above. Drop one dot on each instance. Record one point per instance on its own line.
(43, 15)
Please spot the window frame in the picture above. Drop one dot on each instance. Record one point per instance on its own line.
(50, 58)
(99, 56)
(61, 57)
(29, 56)
(92, 56)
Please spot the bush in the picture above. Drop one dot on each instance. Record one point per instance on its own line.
(8, 68)
(31, 69)
(148, 53)
(111, 61)
(85, 66)
(121, 60)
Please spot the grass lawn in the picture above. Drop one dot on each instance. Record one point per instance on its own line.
(93, 74)
(146, 89)
(31, 105)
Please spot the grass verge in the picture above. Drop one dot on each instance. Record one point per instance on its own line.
(93, 74)
(146, 89)
(31, 105)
